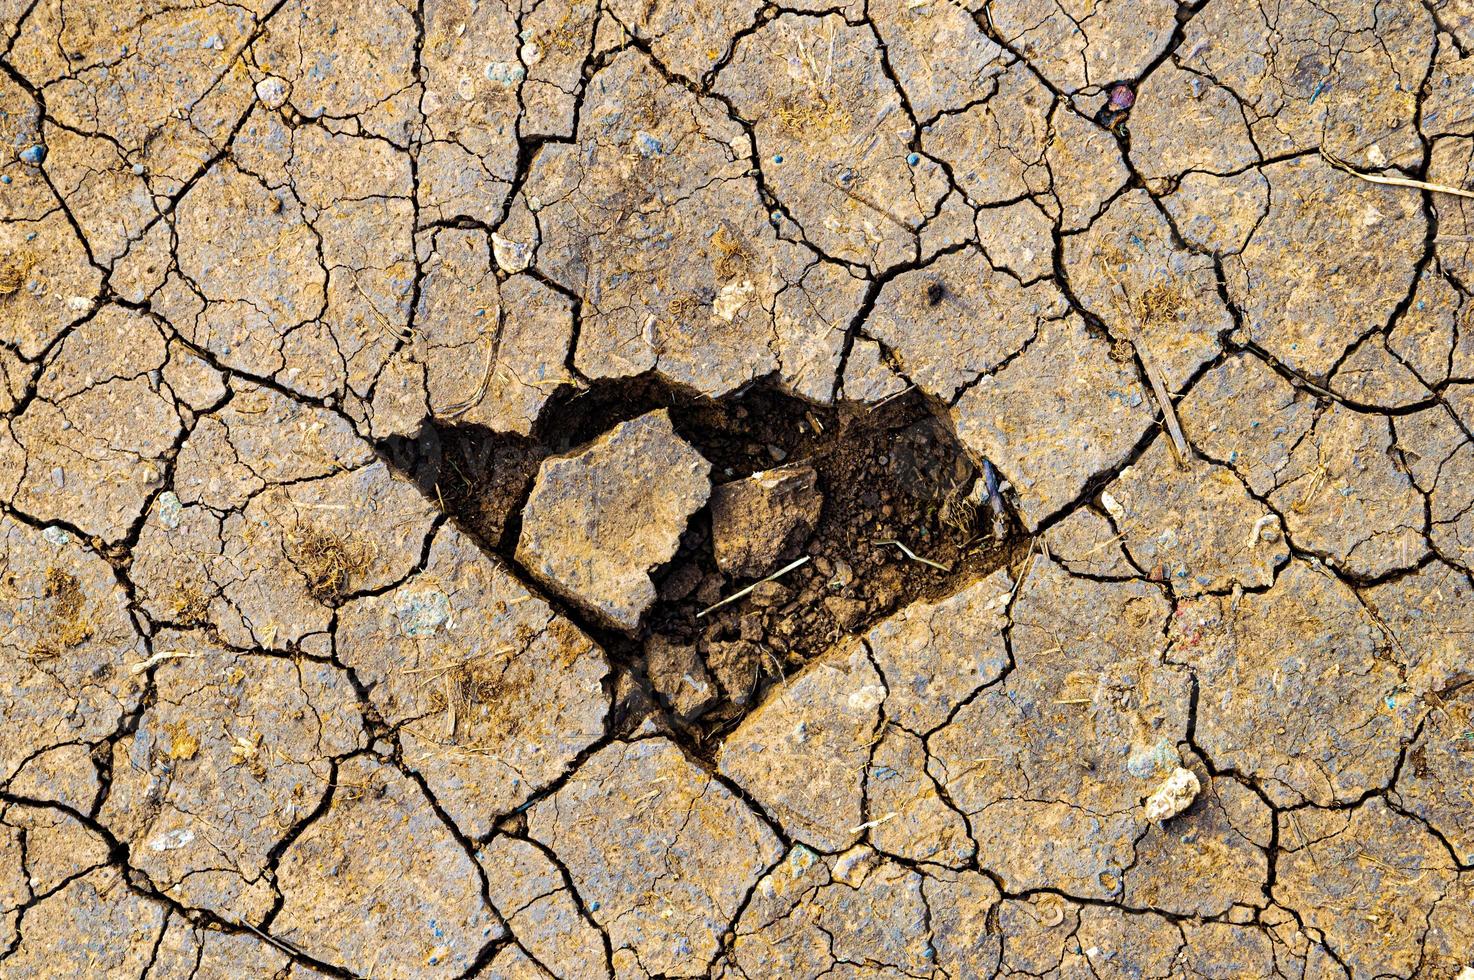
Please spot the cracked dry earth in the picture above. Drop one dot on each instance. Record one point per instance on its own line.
(389, 392)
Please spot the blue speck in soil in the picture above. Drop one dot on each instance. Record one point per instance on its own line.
(650, 146)
(777, 158)
(33, 155)
(593, 906)
(777, 215)
(5, 179)
(914, 159)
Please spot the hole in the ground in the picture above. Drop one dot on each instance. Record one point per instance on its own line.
(893, 472)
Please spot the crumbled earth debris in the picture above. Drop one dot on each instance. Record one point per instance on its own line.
(618, 489)
(676, 671)
(757, 520)
(709, 670)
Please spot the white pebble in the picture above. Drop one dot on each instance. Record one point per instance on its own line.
(272, 92)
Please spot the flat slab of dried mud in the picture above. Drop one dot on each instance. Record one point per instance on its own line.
(915, 488)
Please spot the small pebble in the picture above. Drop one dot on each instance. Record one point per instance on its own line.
(914, 159)
(34, 155)
(272, 92)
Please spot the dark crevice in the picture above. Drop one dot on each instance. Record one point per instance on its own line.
(894, 472)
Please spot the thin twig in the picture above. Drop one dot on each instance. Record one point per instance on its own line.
(872, 823)
(891, 397)
(915, 557)
(1028, 563)
(280, 944)
(1259, 526)
(742, 592)
(160, 657)
(1180, 445)
(456, 411)
(1417, 185)
(1164, 399)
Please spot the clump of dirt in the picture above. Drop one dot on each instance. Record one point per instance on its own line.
(190, 605)
(13, 272)
(326, 561)
(65, 625)
(470, 696)
(891, 473)
(183, 745)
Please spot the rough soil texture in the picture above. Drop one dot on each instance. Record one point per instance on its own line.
(626, 490)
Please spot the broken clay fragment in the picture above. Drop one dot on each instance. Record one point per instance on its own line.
(758, 520)
(600, 518)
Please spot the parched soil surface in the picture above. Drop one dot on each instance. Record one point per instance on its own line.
(631, 490)
(885, 473)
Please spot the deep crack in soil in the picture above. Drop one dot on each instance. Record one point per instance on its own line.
(893, 472)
